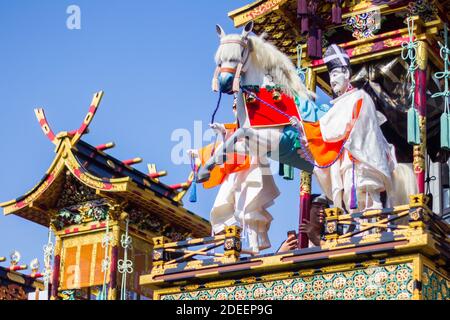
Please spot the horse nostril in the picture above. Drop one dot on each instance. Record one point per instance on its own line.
(226, 81)
(225, 77)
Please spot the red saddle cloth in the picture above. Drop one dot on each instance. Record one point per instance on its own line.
(261, 115)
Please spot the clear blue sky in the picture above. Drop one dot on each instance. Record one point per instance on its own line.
(153, 59)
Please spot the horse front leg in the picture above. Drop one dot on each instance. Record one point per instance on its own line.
(219, 157)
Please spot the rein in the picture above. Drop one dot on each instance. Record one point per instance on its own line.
(242, 43)
(213, 149)
(217, 108)
(241, 67)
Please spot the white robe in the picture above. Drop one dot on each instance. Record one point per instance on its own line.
(243, 200)
(375, 156)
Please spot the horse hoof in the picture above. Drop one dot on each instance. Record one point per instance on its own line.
(203, 175)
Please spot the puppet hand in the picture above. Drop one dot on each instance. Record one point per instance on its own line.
(295, 122)
(219, 128)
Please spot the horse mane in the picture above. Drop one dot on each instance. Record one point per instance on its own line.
(266, 56)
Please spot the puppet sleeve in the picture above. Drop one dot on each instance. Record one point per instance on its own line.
(337, 123)
(309, 110)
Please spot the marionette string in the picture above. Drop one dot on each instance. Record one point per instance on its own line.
(303, 147)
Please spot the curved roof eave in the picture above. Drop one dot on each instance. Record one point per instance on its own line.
(94, 182)
(64, 159)
(28, 198)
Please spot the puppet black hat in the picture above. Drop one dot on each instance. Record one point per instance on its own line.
(336, 57)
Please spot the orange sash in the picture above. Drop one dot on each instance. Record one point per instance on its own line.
(235, 163)
(323, 152)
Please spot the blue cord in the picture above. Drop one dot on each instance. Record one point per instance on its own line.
(217, 108)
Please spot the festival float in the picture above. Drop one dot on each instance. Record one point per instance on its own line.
(379, 150)
(394, 55)
(102, 216)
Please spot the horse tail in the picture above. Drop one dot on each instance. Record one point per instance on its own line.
(404, 184)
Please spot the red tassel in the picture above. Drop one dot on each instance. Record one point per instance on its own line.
(337, 14)
(353, 195)
(302, 7)
(314, 43)
(311, 46)
(353, 199)
(319, 44)
(304, 25)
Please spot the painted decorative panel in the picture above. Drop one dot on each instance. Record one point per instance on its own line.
(390, 282)
(81, 261)
(434, 285)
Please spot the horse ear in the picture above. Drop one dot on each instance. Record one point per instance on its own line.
(220, 31)
(247, 29)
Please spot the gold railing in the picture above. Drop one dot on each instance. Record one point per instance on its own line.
(399, 220)
(405, 222)
(167, 254)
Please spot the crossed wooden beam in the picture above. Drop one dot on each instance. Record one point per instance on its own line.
(76, 134)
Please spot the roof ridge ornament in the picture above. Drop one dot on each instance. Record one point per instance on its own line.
(45, 126)
(76, 134)
(88, 118)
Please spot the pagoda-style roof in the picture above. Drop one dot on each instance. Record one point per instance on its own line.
(81, 172)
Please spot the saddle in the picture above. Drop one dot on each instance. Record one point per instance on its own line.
(260, 115)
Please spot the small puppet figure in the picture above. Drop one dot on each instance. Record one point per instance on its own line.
(365, 167)
(368, 161)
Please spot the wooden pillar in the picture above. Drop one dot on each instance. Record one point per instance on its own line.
(232, 245)
(305, 207)
(159, 254)
(418, 209)
(56, 269)
(112, 292)
(332, 223)
(421, 105)
(305, 179)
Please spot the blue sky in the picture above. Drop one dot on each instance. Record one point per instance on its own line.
(153, 59)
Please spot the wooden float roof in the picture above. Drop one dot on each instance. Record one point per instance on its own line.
(103, 175)
(278, 20)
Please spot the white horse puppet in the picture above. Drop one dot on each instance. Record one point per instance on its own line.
(245, 196)
(246, 66)
(245, 61)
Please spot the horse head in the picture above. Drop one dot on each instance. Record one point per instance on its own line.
(254, 57)
(231, 59)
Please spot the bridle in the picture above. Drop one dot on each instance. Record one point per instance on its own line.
(241, 67)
